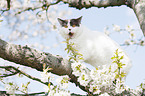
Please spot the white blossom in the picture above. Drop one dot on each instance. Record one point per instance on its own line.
(61, 93)
(45, 76)
(56, 91)
(51, 90)
(138, 89)
(95, 79)
(116, 28)
(127, 42)
(132, 35)
(143, 85)
(46, 88)
(84, 79)
(129, 28)
(26, 37)
(106, 31)
(63, 81)
(11, 87)
(104, 94)
(3, 3)
(15, 4)
(119, 86)
(35, 34)
(97, 91)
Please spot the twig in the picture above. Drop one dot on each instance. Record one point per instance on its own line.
(7, 75)
(44, 7)
(30, 94)
(25, 74)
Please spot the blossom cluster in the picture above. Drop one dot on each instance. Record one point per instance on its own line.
(132, 39)
(28, 19)
(11, 87)
(98, 78)
(55, 90)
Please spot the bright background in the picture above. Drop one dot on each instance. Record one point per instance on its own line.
(96, 19)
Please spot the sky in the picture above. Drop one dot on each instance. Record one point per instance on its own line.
(97, 19)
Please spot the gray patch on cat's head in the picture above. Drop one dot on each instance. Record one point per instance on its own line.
(73, 22)
(62, 22)
(76, 22)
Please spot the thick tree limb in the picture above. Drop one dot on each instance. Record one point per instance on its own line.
(27, 56)
(139, 8)
(137, 5)
(79, 4)
(30, 57)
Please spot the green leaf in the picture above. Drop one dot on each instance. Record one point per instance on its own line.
(81, 58)
(10, 83)
(117, 76)
(123, 74)
(1, 20)
(113, 57)
(121, 57)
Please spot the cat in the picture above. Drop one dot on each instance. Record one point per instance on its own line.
(96, 47)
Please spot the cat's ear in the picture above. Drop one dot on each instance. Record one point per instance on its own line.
(60, 21)
(79, 20)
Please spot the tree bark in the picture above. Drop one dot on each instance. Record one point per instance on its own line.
(30, 57)
(139, 8)
(137, 5)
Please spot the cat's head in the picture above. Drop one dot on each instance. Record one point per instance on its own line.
(70, 28)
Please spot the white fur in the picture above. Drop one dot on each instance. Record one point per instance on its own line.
(96, 47)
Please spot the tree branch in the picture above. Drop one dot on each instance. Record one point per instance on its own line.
(45, 6)
(8, 4)
(9, 68)
(139, 8)
(137, 5)
(4, 93)
(79, 4)
(7, 75)
(27, 56)
(30, 57)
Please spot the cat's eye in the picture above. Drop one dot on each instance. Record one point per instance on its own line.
(65, 26)
(73, 25)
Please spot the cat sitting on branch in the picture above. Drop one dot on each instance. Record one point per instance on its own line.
(96, 47)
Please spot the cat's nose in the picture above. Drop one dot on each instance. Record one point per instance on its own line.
(70, 34)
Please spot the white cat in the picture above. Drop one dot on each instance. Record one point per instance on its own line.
(96, 47)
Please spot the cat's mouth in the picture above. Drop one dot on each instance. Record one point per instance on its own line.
(70, 34)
